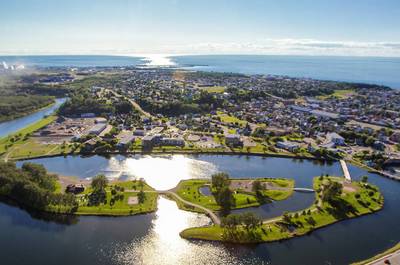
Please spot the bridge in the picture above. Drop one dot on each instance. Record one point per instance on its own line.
(303, 190)
(346, 172)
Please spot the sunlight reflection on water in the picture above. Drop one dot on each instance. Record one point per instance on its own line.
(163, 245)
(163, 172)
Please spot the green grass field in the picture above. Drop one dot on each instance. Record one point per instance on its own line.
(342, 94)
(119, 207)
(189, 190)
(214, 89)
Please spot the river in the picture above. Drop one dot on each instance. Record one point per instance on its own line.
(154, 238)
(12, 126)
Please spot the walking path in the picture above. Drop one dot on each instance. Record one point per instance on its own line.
(210, 213)
(394, 259)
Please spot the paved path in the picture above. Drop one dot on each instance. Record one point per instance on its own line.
(394, 259)
(346, 172)
(210, 213)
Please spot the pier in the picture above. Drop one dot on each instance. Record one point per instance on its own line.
(346, 172)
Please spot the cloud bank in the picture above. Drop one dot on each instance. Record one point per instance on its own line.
(265, 46)
(296, 47)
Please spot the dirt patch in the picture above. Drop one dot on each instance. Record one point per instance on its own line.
(133, 200)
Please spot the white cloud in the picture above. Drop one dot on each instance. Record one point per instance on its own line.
(264, 46)
(295, 47)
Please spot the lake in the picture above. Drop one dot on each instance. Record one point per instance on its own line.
(154, 239)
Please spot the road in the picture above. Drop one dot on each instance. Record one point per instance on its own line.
(134, 104)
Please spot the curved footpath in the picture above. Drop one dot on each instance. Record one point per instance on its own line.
(210, 213)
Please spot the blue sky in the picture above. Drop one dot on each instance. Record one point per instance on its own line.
(331, 27)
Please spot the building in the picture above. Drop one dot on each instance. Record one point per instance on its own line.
(233, 140)
(125, 138)
(88, 115)
(75, 188)
(97, 128)
(335, 139)
(287, 145)
(173, 142)
(100, 120)
(150, 141)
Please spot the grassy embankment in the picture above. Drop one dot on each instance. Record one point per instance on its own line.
(354, 202)
(20, 145)
(117, 204)
(380, 255)
(189, 190)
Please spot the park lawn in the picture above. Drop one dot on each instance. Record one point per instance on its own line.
(132, 185)
(342, 94)
(303, 222)
(120, 207)
(230, 119)
(189, 191)
(214, 89)
(276, 194)
(32, 148)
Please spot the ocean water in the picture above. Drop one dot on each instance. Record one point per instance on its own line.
(72, 60)
(376, 70)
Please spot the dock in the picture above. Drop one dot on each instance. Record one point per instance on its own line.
(346, 172)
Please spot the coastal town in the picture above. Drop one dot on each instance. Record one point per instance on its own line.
(135, 110)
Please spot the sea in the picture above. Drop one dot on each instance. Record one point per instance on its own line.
(372, 70)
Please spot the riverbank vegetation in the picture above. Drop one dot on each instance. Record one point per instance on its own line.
(223, 193)
(335, 200)
(33, 187)
(16, 106)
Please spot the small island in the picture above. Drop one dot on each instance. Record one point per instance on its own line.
(223, 193)
(336, 200)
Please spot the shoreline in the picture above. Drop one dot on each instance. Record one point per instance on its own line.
(227, 153)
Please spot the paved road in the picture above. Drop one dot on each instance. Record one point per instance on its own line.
(134, 104)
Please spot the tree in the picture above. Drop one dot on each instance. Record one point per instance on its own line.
(225, 198)
(219, 180)
(331, 191)
(99, 183)
(250, 221)
(364, 179)
(141, 196)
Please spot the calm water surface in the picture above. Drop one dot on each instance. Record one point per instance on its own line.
(154, 239)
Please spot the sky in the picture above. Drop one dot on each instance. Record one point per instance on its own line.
(306, 27)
